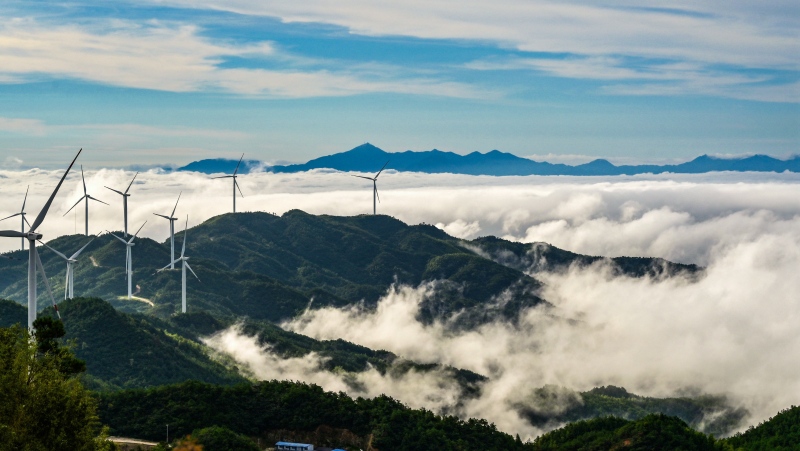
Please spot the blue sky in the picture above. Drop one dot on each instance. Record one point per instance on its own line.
(171, 81)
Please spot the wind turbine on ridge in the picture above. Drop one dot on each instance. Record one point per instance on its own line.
(235, 183)
(184, 266)
(86, 198)
(129, 257)
(33, 255)
(171, 218)
(375, 197)
(125, 197)
(69, 285)
(24, 220)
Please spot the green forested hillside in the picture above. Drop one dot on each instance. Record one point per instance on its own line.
(12, 313)
(779, 433)
(269, 267)
(653, 432)
(295, 410)
(125, 351)
(539, 257)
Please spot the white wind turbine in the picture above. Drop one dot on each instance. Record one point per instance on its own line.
(24, 220)
(69, 285)
(375, 197)
(184, 267)
(33, 255)
(129, 257)
(171, 218)
(86, 198)
(125, 197)
(235, 184)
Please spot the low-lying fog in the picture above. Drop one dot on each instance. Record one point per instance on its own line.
(736, 331)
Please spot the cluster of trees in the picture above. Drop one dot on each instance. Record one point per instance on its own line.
(779, 433)
(43, 405)
(256, 409)
(653, 432)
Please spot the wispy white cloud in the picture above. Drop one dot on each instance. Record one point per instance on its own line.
(698, 36)
(175, 57)
(22, 125)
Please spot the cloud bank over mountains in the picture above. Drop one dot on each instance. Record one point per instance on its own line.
(731, 333)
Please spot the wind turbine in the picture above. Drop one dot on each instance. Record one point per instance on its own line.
(70, 282)
(125, 197)
(375, 196)
(171, 218)
(129, 257)
(24, 220)
(33, 256)
(235, 184)
(85, 197)
(184, 266)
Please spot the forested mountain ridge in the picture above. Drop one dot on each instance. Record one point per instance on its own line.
(269, 267)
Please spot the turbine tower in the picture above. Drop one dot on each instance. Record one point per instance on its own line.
(235, 183)
(24, 220)
(129, 257)
(125, 197)
(171, 218)
(375, 197)
(70, 282)
(86, 198)
(184, 267)
(33, 256)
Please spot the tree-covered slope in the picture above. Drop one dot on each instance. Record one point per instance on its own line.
(12, 313)
(269, 267)
(779, 433)
(296, 411)
(653, 432)
(710, 414)
(125, 351)
(540, 257)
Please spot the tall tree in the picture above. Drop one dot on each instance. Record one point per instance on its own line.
(43, 406)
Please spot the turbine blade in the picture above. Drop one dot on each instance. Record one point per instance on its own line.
(222, 177)
(84, 180)
(57, 253)
(237, 187)
(176, 204)
(165, 217)
(384, 167)
(26, 221)
(162, 269)
(112, 189)
(362, 177)
(46, 282)
(131, 184)
(125, 242)
(43, 213)
(13, 234)
(15, 214)
(96, 200)
(24, 201)
(378, 196)
(137, 232)
(190, 269)
(70, 208)
(76, 254)
(237, 166)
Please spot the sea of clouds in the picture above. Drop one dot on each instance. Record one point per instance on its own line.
(735, 332)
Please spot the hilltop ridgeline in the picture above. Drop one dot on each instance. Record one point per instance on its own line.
(269, 267)
(368, 158)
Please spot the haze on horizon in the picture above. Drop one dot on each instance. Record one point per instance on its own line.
(169, 82)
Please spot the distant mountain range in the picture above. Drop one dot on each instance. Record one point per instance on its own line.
(368, 158)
